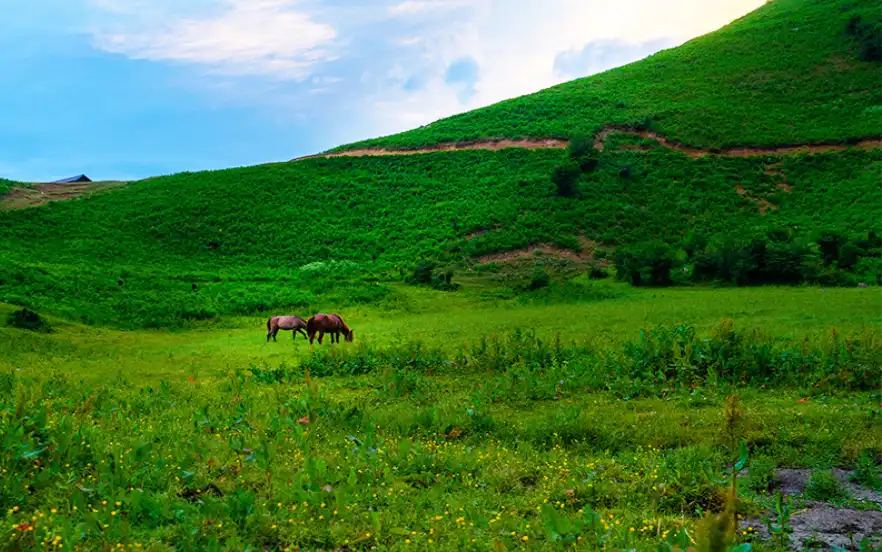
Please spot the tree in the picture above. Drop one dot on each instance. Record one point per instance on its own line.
(539, 280)
(582, 153)
(565, 178)
(647, 263)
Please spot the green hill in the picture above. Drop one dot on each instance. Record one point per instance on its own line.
(787, 73)
(332, 230)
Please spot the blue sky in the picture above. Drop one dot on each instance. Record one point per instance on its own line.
(125, 89)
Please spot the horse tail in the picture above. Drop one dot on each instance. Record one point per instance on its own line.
(269, 324)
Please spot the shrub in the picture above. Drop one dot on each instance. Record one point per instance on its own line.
(760, 476)
(539, 280)
(868, 35)
(869, 270)
(26, 319)
(424, 275)
(849, 255)
(565, 178)
(597, 272)
(582, 153)
(647, 263)
(823, 486)
(775, 258)
(580, 146)
(830, 242)
(867, 471)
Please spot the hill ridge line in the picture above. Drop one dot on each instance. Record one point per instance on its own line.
(600, 137)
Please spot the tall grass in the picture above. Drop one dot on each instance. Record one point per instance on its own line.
(660, 361)
(516, 440)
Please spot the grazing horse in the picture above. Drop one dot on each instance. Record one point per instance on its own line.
(328, 323)
(276, 323)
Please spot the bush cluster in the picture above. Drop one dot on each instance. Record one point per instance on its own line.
(582, 158)
(868, 35)
(26, 319)
(424, 274)
(781, 257)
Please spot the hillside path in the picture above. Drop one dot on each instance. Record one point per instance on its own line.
(600, 138)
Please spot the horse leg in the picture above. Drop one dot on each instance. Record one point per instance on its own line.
(301, 330)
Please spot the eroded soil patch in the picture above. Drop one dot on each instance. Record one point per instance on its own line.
(819, 525)
(458, 146)
(586, 253)
(599, 144)
(764, 205)
(41, 194)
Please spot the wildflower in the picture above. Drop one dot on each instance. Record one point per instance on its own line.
(525, 538)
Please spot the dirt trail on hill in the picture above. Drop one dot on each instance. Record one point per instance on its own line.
(457, 146)
(599, 143)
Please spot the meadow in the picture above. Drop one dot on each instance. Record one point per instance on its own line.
(505, 391)
(454, 421)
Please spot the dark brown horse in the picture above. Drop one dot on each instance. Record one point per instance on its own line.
(276, 323)
(330, 324)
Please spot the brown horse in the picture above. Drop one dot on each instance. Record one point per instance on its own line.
(276, 323)
(328, 323)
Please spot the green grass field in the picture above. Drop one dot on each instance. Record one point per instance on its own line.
(535, 404)
(480, 434)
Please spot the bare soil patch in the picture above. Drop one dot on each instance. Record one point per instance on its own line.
(764, 205)
(41, 194)
(586, 254)
(493, 145)
(599, 143)
(870, 143)
(794, 481)
(818, 525)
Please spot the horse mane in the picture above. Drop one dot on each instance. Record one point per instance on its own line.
(342, 323)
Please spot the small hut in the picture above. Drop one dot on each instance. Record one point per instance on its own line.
(72, 179)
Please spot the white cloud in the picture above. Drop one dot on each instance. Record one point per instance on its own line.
(415, 7)
(393, 54)
(516, 44)
(246, 37)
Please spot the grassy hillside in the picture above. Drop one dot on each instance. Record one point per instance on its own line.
(6, 186)
(332, 231)
(788, 73)
(305, 233)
